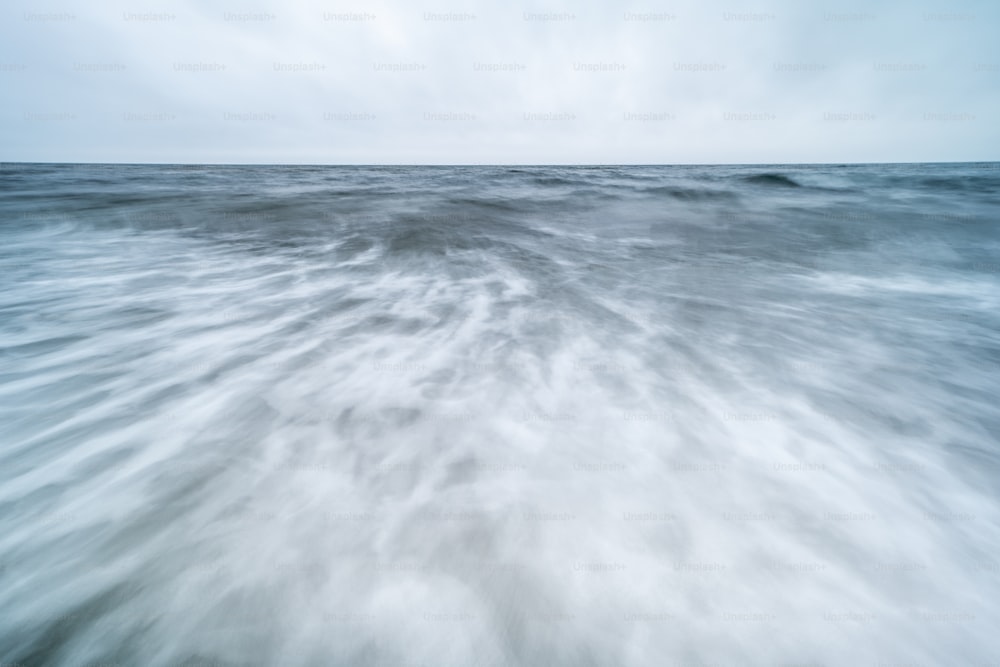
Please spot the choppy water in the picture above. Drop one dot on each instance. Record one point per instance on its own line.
(499, 416)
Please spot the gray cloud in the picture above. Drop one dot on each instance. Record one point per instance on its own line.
(494, 82)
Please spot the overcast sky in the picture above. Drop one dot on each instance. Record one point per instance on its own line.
(495, 81)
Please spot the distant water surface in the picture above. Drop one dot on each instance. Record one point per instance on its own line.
(499, 415)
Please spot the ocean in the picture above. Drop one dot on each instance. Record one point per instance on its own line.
(637, 415)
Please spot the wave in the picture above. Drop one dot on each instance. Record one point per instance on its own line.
(772, 179)
(654, 417)
(691, 193)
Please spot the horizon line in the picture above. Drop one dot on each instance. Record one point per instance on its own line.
(491, 164)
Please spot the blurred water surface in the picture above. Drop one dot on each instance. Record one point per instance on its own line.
(499, 415)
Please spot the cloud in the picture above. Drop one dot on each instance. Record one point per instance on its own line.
(491, 82)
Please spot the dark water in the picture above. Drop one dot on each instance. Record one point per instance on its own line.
(499, 416)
